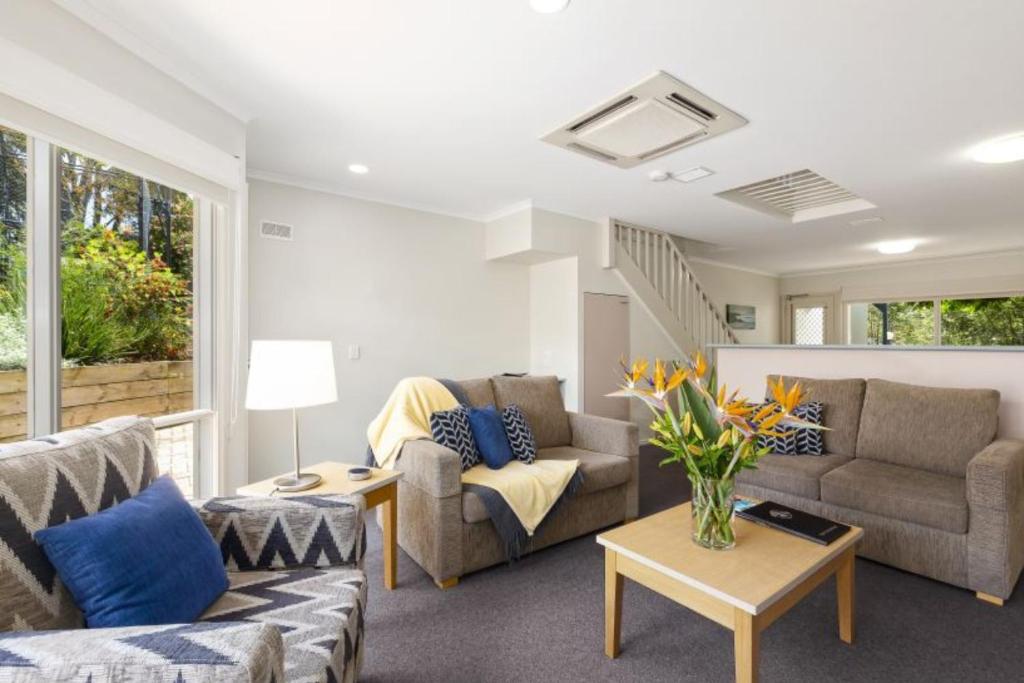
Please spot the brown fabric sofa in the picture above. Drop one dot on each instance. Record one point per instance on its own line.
(449, 533)
(920, 469)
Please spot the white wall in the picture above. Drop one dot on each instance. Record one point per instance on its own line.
(554, 318)
(727, 285)
(746, 368)
(1001, 273)
(411, 288)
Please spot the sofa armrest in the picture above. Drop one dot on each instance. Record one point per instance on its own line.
(431, 468)
(231, 651)
(995, 498)
(263, 532)
(604, 435)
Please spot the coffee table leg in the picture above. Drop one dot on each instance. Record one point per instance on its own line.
(844, 596)
(747, 644)
(390, 529)
(612, 605)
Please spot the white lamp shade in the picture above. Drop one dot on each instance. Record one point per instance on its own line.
(290, 374)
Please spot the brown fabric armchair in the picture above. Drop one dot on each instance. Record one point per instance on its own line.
(449, 533)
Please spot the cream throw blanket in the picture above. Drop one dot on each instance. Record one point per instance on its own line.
(406, 417)
(530, 490)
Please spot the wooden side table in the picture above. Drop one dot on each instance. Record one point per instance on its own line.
(380, 489)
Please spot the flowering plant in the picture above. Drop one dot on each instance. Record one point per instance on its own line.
(711, 432)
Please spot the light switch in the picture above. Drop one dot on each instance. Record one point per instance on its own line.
(353, 351)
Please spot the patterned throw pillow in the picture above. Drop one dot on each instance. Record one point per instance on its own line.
(520, 436)
(800, 441)
(450, 428)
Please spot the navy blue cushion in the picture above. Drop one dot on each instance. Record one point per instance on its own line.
(148, 560)
(489, 433)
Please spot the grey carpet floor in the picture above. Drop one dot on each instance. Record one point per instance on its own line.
(542, 618)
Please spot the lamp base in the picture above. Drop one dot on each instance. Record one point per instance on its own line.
(290, 483)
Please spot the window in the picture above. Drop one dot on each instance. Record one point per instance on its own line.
(990, 321)
(997, 321)
(119, 335)
(13, 327)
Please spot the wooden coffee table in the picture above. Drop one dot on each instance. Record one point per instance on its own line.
(380, 489)
(744, 589)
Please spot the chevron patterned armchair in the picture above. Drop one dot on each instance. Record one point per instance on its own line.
(294, 609)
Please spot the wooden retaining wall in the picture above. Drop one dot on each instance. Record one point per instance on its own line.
(93, 393)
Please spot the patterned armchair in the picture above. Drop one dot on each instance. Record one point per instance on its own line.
(297, 596)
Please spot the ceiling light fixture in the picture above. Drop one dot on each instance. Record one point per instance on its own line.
(548, 6)
(1000, 150)
(358, 169)
(896, 247)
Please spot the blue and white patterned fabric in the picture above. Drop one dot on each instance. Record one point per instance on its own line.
(520, 436)
(801, 440)
(450, 428)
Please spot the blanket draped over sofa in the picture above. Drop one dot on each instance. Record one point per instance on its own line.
(518, 497)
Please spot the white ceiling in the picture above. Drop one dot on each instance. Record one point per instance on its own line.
(445, 102)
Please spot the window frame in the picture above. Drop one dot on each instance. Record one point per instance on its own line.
(43, 317)
(936, 310)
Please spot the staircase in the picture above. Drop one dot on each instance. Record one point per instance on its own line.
(654, 267)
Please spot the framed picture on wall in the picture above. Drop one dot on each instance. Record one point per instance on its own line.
(741, 317)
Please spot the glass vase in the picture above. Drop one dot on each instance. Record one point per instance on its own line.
(711, 508)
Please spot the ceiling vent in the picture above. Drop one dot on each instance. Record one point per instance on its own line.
(797, 197)
(654, 118)
(276, 231)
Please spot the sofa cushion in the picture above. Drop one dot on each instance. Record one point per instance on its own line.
(318, 612)
(520, 436)
(794, 474)
(905, 493)
(450, 428)
(842, 399)
(148, 560)
(489, 434)
(479, 392)
(797, 440)
(600, 471)
(540, 399)
(929, 428)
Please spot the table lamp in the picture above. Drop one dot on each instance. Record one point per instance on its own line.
(287, 375)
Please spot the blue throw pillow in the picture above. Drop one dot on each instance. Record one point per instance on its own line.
(146, 561)
(489, 433)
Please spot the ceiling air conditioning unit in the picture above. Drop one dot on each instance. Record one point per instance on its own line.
(653, 118)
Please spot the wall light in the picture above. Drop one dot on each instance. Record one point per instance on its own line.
(1000, 150)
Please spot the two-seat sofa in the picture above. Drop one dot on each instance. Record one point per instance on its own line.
(449, 533)
(920, 469)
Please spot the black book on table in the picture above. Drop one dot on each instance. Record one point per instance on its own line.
(796, 522)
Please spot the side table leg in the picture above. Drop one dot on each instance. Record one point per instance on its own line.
(390, 529)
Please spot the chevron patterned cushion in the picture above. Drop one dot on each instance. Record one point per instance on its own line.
(229, 652)
(800, 441)
(318, 612)
(277, 533)
(450, 428)
(52, 480)
(520, 436)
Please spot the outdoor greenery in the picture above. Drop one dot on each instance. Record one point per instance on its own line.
(126, 291)
(910, 323)
(983, 322)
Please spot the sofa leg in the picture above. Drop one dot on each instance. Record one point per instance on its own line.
(991, 599)
(447, 583)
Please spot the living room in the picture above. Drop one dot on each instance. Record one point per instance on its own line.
(414, 318)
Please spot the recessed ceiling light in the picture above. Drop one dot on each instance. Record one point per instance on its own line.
(689, 175)
(1001, 150)
(896, 247)
(548, 6)
(358, 168)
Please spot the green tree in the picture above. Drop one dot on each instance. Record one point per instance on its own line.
(983, 322)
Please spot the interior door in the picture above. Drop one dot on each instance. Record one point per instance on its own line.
(605, 341)
(811, 320)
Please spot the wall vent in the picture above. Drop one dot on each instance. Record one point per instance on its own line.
(276, 231)
(653, 118)
(798, 196)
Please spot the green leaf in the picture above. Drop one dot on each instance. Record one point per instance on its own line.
(701, 414)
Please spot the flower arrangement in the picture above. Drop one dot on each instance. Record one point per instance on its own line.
(711, 432)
